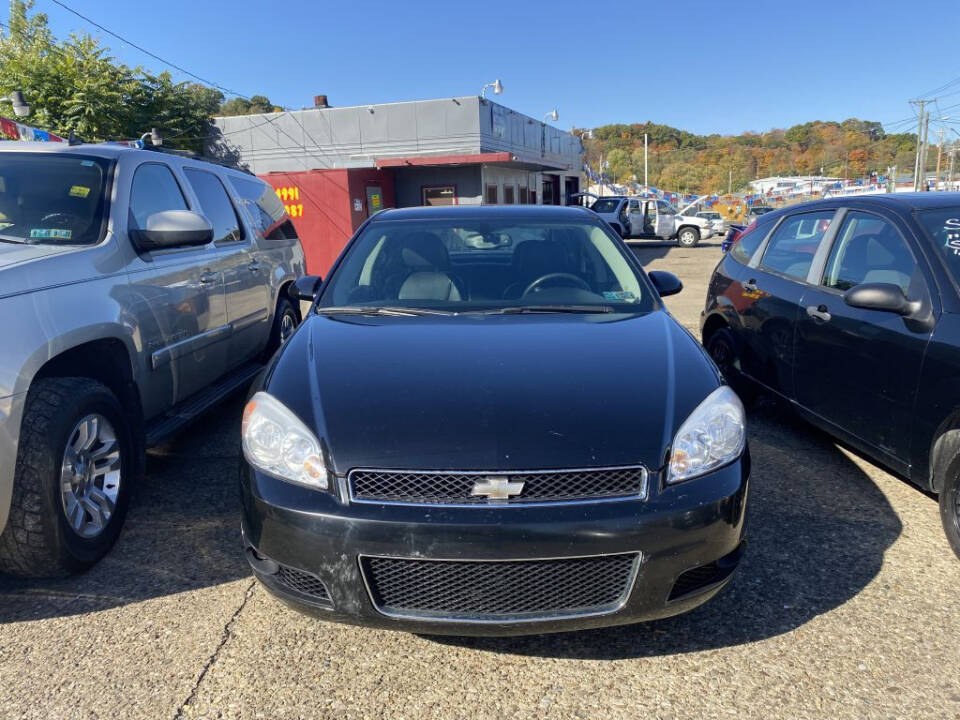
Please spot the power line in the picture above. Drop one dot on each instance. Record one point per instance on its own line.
(147, 52)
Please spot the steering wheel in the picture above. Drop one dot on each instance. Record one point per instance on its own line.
(576, 282)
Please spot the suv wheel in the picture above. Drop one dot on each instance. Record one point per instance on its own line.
(950, 505)
(285, 321)
(72, 479)
(688, 236)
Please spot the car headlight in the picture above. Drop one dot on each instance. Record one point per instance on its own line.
(713, 435)
(278, 443)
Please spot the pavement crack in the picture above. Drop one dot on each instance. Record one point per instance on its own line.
(224, 638)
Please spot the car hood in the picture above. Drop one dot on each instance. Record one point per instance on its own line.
(493, 392)
(16, 253)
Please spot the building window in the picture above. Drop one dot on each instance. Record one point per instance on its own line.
(533, 197)
(509, 195)
(524, 196)
(492, 195)
(440, 195)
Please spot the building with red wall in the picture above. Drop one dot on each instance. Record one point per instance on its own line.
(334, 167)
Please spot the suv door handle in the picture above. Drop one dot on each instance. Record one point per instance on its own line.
(818, 313)
(750, 285)
(254, 267)
(208, 278)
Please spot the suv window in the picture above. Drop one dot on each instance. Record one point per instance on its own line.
(794, 243)
(606, 205)
(154, 190)
(265, 208)
(216, 205)
(868, 249)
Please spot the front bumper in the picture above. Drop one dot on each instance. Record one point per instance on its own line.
(314, 535)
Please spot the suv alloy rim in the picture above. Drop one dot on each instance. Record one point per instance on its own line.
(287, 326)
(90, 475)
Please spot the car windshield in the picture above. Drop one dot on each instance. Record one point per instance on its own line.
(52, 198)
(486, 265)
(606, 205)
(943, 227)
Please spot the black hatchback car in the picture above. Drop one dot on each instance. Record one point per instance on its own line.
(489, 424)
(849, 308)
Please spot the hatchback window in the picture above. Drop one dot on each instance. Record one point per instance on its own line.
(154, 190)
(52, 198)
(483, 265)
(793, 244)
(943, 228)
(868, 249)
(746, 245)
(216, 205)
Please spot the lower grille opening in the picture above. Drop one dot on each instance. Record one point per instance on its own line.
(303, 583)
(499, 590)
(706, 575)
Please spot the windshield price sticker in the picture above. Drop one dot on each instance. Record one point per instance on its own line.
(50, 234)
(952, 230)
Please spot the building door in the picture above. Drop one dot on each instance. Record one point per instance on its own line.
(440, 195)
(374, 199)
(549, 188)
(571, 185)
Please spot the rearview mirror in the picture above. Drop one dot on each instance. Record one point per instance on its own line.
(665, 282)
(171, 229)
(305, 288)
(885, 297)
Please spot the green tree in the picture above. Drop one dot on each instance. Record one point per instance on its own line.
(256, 105)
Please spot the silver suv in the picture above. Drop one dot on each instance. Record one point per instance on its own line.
(137, 289)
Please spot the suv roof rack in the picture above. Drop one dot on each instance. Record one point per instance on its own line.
(195, 156)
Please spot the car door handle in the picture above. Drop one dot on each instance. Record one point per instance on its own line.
(254, 267)
(208, 278)
(750, 285)
(818, 313)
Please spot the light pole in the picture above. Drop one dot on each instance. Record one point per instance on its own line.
(496, 85)
(552, 116)
(20, 106)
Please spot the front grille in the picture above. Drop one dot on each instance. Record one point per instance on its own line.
(499, 591)
(302, 582)
(456, 488)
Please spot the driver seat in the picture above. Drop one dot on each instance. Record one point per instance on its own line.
(533, 259)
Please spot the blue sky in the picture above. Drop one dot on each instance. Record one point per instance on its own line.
(706, 67)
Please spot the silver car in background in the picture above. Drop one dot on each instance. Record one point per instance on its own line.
(137, 289)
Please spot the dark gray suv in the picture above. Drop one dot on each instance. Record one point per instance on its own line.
(137, 289)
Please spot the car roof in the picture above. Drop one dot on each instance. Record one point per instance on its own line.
(111, 151)
(542, 212)
(896, 202)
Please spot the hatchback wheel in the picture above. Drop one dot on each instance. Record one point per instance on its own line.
(722, 349)
(71, 481)
(950, 508)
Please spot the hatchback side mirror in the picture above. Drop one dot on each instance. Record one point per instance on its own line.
(885, 297)
(305, 288)
(171, 229)
(666, 283)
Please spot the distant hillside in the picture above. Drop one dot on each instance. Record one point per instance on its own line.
(682, 161)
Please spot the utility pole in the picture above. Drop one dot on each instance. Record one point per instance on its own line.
(936, 182)
(600, 176)
(953, 152)
(916, 164)
(645, 182)
(923, 153)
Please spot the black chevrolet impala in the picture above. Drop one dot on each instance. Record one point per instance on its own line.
(489, 424)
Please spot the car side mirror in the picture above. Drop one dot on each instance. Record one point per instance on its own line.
(665, 282)
(885, 297)
(305, 288)
(172, 229)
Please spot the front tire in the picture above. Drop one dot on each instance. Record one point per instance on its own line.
(950, 506)
(688, 237)
(285, 321)
(71, 484)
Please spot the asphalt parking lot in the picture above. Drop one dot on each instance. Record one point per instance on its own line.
(845, 607)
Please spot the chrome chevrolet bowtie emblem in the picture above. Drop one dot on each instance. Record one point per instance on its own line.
(497, 488)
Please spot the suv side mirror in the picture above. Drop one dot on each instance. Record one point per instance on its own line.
(305, 288)
(171, 229)
(666, 283)
(885, 297)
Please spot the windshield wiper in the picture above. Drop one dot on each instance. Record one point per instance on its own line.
(516, 310)
(12, 241)
(392, 311)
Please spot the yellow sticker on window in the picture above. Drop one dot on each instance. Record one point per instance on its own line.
(79, 191)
